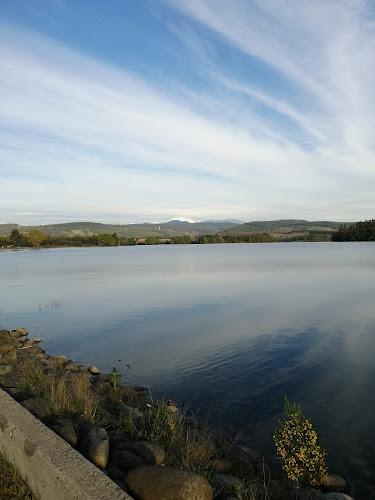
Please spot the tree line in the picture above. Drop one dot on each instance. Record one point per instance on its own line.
(361, 231)
(37, 239)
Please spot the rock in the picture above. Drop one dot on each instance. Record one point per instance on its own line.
(93, 370)
(38, 407)
(5, 348)
(71, 367)
(4, 334)
(36, 340)
(151, 453)
(65, 429)
(9, 356)
(117, 439)
(126, 460)
(22, 330)
(28, 343)
(41, 356)
(60, 360)
(153, 482)
(337, 496)
(12, 381)
(48, 363)
(115, 473)
(333, 482)
(16, 334)
(240, 457)
(20, 394)
(5, 369)
(221, 465)
(129, 394)
(229, 485)
(171, 406)
(95, 447)
(129, 411)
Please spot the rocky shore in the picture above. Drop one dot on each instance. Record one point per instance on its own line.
(151, 450)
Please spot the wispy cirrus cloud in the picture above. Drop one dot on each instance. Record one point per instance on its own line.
(81, 138)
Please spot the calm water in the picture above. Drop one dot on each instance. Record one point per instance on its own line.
(229, 329)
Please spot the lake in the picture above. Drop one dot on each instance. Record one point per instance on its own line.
(228, 329)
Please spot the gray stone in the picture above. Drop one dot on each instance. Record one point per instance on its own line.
(16, 334)
(6, 369)
(9, 356)
(60, 360)
(48, 363)
(337, 496)
(20, 394)
(153, 482)
(333, 482)
(221, 465)
(240, 457)
(151, 453)
(126, 460)
(41, 356)
(134, 413)
(5, 348)
(12, 381)
(115, 473)
(38, 407)
(228, 485)
(65, 429)
(95, 447)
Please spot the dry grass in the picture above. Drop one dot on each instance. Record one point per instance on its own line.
(68, 394)
(11, 485)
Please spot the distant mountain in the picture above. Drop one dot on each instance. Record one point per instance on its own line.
(166, 229)
(178, 228)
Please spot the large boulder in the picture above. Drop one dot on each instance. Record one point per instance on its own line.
(333, 482)
(95, 446)
(153, 482)
(241, 458)
(129, 411)
(38, 407)
(151, 453)
(126, 461)
(65, 429)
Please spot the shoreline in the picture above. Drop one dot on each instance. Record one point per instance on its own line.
(120, 425)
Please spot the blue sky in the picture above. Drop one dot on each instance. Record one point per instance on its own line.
(147, 110)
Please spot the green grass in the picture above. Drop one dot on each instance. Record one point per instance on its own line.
(11, 485)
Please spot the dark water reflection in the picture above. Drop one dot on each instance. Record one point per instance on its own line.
(230, 329)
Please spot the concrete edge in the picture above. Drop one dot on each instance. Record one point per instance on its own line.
(48, 464)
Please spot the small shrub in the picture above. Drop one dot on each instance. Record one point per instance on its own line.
(115, 379)
(297, 443)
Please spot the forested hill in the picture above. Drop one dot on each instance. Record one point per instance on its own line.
(166, 230)
(284, 226)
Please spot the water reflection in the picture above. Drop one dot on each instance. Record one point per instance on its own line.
(229, 328)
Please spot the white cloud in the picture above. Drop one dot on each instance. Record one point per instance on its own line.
(83, 139)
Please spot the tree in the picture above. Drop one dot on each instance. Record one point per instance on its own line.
(18, 239)
(36, 237)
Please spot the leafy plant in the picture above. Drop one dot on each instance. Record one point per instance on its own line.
(297, 443)
(115, 379)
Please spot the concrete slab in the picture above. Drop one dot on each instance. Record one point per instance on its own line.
(52, 469)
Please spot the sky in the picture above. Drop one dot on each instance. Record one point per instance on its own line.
(131, 111)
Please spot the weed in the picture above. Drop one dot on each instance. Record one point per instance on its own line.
(115, 379)
(11, 485)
